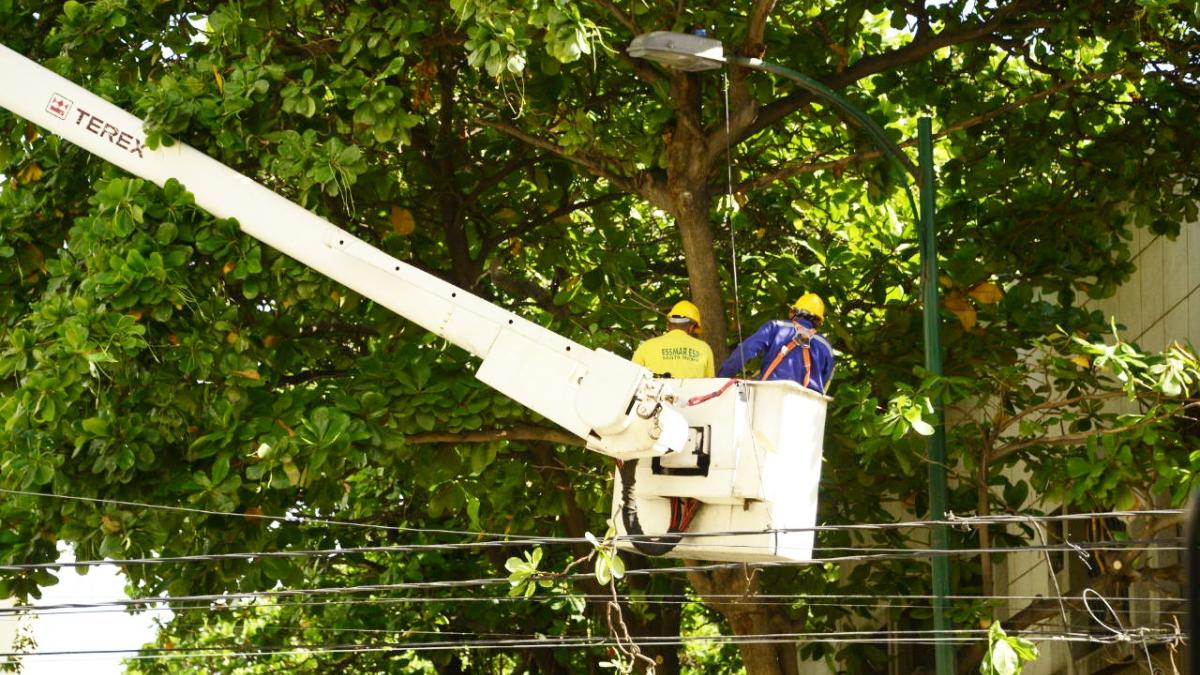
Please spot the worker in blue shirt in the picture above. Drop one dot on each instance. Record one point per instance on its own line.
(791, 350)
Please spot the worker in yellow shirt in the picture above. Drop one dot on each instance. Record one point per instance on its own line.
(679, 353)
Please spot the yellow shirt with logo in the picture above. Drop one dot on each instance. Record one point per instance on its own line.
(676, 354)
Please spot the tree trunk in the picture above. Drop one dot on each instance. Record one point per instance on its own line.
(449, 150)
(665, 622)
(747, 620)
(690, 201)
(983, 508)
(576, 522)
(695, 232)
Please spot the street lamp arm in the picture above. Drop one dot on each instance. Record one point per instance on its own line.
(819, 90)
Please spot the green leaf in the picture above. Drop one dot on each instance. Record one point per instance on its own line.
(73, 9)
(44, 473)
(95, 426)
(112, 546)
(1003, 659)
(921, 426)
(618, 566)
(603, 570)
(473, 511)
(1078, 467)
(292, 471)
(126, 458)
(220, 468)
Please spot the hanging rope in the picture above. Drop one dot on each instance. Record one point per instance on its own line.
(733, 251)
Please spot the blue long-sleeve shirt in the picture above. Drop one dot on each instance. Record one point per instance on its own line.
(772, 337)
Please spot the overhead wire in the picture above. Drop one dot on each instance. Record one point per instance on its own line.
(138, 602)
(951, 520)
(823, 600)
(958, 636)
(292, 519)
(509, 539)
(406, 632)
(863, 553)
(457, 583)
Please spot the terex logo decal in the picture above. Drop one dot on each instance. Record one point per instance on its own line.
(59, 106)
(104, 130)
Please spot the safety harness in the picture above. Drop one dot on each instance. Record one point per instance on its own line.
(803, 335)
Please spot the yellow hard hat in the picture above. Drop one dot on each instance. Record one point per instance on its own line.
(685, 310)
(811, 303)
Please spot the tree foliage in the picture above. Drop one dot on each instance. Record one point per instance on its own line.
(151, 353)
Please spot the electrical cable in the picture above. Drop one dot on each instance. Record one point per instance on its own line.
(961, 636)
(224, 597)
(406, 632)
(152, 603)
(869, 553)
(676, 598)
(951, 520)
(289, 519)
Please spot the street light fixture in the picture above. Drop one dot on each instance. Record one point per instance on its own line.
(692, 53)
(681, 51)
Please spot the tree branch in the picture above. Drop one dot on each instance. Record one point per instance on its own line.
(594, 167)
(526, 289)
(870, 65)
(1065, 439)
(756, 27)
(1002, 422)
(488, 182)
(309, 376)
(519, 432)
(808, 166)
(562, 210)
(621, 17)
(640, 68)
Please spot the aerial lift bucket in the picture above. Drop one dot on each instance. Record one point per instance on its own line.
(753, 462)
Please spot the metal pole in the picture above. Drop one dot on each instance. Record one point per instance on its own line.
(936, 445)
(876, 132)
(821, 91)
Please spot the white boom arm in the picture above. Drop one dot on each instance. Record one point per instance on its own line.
(610, 402)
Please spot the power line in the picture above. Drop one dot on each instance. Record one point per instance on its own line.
(288, 519)
(868, 552)
(951, 520)
(753, 601)
(958, 636)
(367, 588)
(159, 603)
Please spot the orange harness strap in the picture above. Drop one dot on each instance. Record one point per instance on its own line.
(803, 335)
(697, 400)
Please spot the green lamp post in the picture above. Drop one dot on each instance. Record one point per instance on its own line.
(696, 52)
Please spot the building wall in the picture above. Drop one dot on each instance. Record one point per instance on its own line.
(1158, 306)
(1161, 303)
(8, 630)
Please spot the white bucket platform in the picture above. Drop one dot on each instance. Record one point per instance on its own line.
(753, 461)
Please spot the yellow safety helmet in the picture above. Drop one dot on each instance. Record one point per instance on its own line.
(685, 310)
(811, 303)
